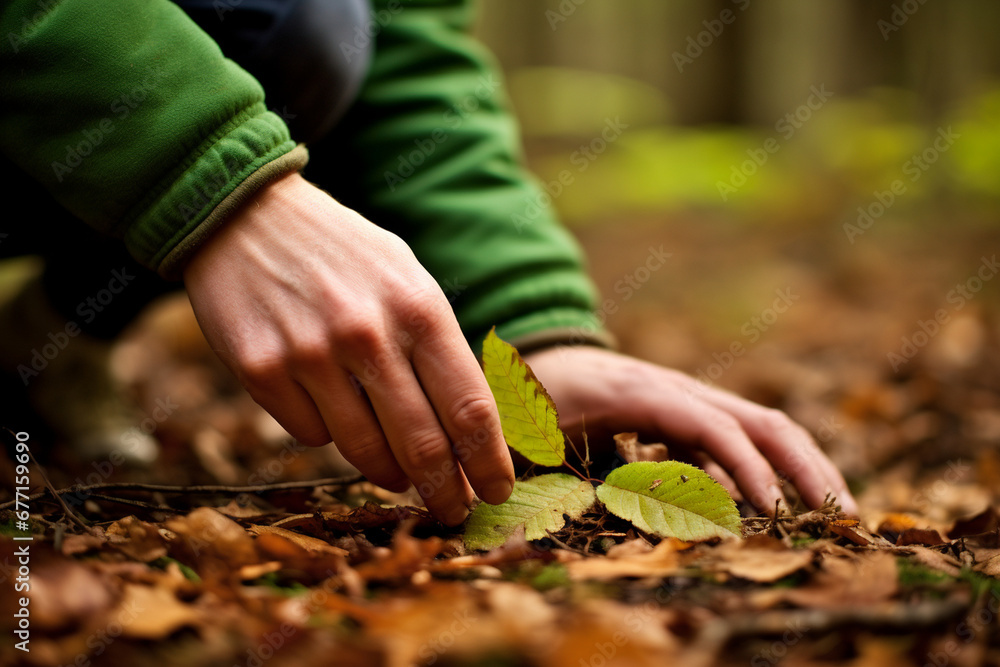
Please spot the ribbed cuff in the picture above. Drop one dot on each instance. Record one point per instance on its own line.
(562, 336)
(175, 261)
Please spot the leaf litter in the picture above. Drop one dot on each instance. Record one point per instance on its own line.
(354, 575)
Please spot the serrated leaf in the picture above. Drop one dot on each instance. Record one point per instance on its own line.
(537, 505)
(670, 499)
(527, 414)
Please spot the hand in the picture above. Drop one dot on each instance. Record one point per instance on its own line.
(739, 443)
(335, 329)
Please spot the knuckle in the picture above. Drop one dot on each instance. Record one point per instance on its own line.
(781, 424)
(257, 370)
(317, 436)
(423, 303)
(393, 243)
(363, 448)
(308, 352)
(726, 423)
(426, 450)
(472, 413)
(360, 332)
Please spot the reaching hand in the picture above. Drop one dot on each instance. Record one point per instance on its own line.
(740, 443)
(335, 329)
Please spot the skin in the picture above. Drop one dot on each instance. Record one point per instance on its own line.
(741, 444)
(336, 330)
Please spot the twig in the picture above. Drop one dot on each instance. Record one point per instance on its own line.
(204, 488)
(135, 503)
(72, 515)
(552, 536)
(573, 446)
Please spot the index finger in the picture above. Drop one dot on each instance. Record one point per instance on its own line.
(457, 388)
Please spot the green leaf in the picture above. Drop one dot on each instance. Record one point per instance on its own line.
(537, 505)
(670, 499)
(527, 414)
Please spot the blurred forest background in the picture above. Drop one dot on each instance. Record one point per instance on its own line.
(846, 151)
(696, 101)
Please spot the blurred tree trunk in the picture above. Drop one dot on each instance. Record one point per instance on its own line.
(762, 64)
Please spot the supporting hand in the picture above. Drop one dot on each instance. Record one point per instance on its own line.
(742, 444)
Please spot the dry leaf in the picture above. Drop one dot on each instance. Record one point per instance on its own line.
(312, 545)
(631, 561)
(858, 534)
(760, 558)
(935, 560)
(153, 612)
(866, 578)
(986, 521)
(66, 594)
(137, 539)
(926, 537)
(206, 536)
(631, 450)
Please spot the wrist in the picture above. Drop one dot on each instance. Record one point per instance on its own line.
(253, 217)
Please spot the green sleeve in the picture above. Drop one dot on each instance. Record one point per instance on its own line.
(431, 152)
(135, 122)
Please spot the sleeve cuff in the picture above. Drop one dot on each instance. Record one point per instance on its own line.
(550, 327)
(174, 262)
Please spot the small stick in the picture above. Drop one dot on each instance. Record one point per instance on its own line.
(73, 516)
(204, 488)
(136, 503)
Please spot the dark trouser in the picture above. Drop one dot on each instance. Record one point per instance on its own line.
(293, 47)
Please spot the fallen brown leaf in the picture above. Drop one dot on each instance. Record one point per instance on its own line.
(758, 558)
(631, 450)
(153, 612)
(137, 539)
(637, 559)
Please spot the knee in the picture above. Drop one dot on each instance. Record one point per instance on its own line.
(319, 58)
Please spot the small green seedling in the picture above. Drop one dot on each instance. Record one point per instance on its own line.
(658, 498)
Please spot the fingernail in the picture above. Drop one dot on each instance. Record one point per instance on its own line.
(498, 491)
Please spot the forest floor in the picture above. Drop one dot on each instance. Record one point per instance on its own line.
(887, 349)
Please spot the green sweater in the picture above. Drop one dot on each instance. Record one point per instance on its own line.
(130, 116)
